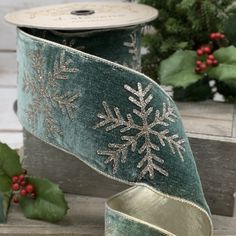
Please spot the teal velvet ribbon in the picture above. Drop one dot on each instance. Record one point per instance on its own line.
(76, 92)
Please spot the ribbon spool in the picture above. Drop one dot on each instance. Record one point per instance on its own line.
(77, 94)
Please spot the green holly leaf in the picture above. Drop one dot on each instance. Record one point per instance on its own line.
(9, 166)
(226, 70)
(9, 161)
(4, 203)
(49, 205)
(5, 182)
(178, 69)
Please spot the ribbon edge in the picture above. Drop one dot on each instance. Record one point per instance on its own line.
(160, 194)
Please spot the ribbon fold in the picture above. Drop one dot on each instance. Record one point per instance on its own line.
(117, 121)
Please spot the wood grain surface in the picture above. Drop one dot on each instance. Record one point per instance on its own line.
(85, 218)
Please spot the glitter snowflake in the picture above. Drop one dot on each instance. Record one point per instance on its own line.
(43, 88)
(134, 51)
(150, 136)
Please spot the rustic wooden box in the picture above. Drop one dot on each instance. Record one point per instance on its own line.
(211, 129)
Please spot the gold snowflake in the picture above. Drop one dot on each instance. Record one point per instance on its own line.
(151, 137)
(43, 88)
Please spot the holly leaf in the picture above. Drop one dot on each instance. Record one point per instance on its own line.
(178, 69)
(226, 70)
(9, 161)
(49, 205)
(9, 166)
(4, 203)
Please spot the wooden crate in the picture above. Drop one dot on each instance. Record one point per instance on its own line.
(211, 128)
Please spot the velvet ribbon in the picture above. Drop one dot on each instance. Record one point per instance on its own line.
(81, 92)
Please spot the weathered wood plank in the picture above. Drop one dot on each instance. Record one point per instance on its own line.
(216, 162)
(10, 127)
(214, 127)
(13, 139)
(208, 118)
(224, 222)
(207, 109)
(9, 121)
(7, 80)
(7, 64)
(7, 32)
(85, 217)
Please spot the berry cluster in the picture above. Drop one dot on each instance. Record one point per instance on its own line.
(205, 56)
(217, 36)
(207, 59)
(21, 188)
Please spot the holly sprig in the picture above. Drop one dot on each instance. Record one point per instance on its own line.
(204, 53)
(22, 188)
(38, 197)
(189, 70)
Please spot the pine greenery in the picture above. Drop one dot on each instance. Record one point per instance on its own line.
(182, 24)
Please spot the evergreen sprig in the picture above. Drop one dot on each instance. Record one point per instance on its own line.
(182, 24)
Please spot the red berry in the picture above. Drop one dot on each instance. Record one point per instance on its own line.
(200, 52)
(222, 36)
(207, 50)
(209, 62)
(197, 70)
(15, 187)
(29, 188)
(14, 179)
(211, 57)
(16, 199)
(213, 36)
(22, 177)
(198, 63)
(23, 192)
(203, 66)
(22, 183)
(215, 63)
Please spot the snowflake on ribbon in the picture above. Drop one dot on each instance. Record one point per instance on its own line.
(46, 99)
(133, 47)
(150, 136)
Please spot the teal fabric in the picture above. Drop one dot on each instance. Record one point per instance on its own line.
(100, 43)
(64, 95)
(98, 81)
(117, 225)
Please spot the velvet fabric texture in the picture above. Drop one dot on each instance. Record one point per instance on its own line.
(117, 121)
